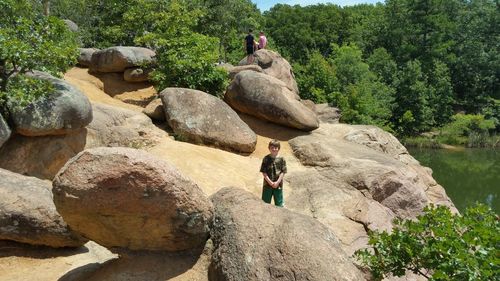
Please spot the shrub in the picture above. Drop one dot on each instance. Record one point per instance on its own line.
(438, 245)
(467, 129)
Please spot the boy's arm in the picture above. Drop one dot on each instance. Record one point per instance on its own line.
(267, 179)
(280, 179)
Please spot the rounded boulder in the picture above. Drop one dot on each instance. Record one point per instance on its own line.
(117, 59)
(60, 112)
(126, 198)
(200, 118)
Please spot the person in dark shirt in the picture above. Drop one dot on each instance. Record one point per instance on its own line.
(250, 46)
(273, 169)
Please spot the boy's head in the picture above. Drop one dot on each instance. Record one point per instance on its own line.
(274, 147)
(250, 30)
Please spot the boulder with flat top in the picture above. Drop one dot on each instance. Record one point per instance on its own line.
(117, 59)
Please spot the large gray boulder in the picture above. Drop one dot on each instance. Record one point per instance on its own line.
(402, 186)
(117, 59)
(62, 111)
(268, 98)
(28, 215)
(198, 117)
(126, 198)
(85, 56)
(258, 241)
(4, 131)
(275, 65)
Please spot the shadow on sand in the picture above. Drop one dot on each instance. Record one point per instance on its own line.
(137, 266)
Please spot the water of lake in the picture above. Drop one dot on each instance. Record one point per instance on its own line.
(468, 175)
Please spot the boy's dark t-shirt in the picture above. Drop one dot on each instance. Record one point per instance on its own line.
(249, 40)
(273, 167)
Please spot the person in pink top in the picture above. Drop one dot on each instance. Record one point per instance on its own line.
(262, 40)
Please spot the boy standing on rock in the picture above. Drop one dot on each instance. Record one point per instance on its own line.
(250, 46)
(273, 168)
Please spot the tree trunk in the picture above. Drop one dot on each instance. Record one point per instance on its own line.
(46, 7)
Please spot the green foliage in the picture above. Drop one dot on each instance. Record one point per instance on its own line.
(317, 79)
(184, 58)
(467, 129)
(229, 21)
(438, 245)
(298, 31)
(363, 98)
(29, 41)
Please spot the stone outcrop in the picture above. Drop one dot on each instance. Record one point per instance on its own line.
(136, 74)
(379, 176)
(267, 98)
(28, 215)
(237, 69)
(155, 110)
(327, 114)
(257, 241)
(42, 157)
(113, 126)
(200, 118)
(275, 65)
(60, 112)
(126, 198)
(117, 59)
(85, 56)
(4, 131)
(325, 196)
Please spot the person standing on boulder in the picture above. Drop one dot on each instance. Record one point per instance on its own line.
(262, 40)
(250, 46)
(273, 168)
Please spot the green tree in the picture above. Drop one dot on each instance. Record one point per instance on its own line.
(185, 58)
(441, 96)
(412, 113)
(476, 71)
(30, 41)
(317, 80)
(229, 21)
(299, 31)
(438, 245)
(362, 97)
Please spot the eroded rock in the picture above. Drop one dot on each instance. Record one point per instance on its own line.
(257, 241)
(275, 65)
(28, 215)
(401, 187)
(267, 98)
(126, 198)
(155, 110)
(117, 59)
(85, 56)
(65, 110)
(200, 118)
(4, 131)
